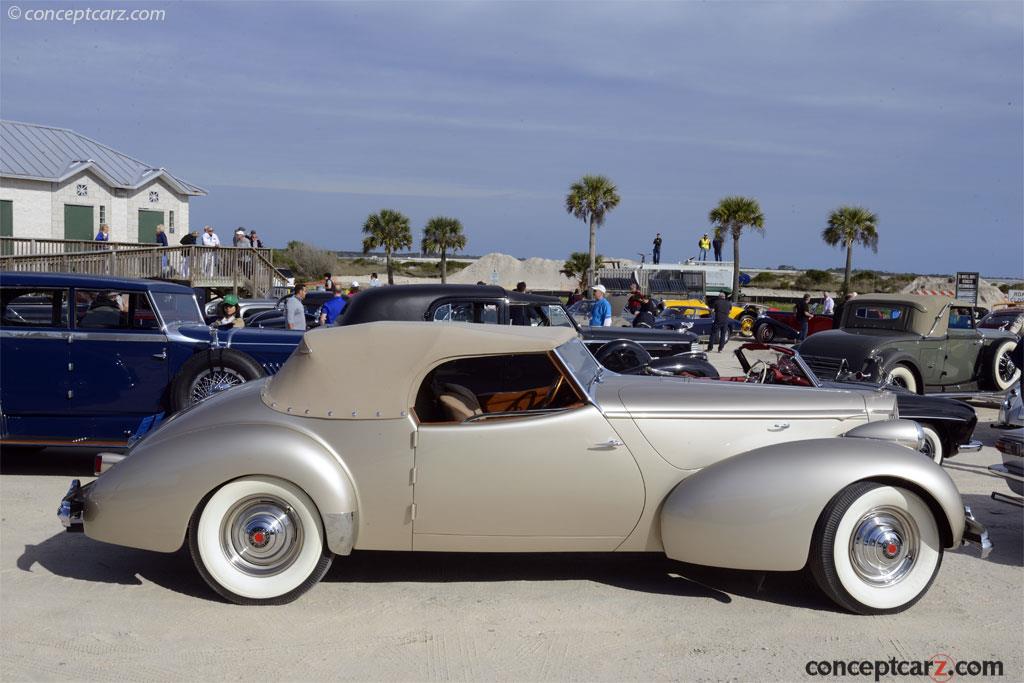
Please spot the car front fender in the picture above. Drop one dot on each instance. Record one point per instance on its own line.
(147, 499)
(758, 510)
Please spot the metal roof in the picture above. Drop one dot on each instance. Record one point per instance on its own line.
(35, 152)
(43, 280)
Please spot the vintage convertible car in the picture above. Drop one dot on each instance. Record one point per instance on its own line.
(484, 438)
(91, 360)
(927, 344)
(497, 306)
(775, 325)
(947, 424)
(745, 315)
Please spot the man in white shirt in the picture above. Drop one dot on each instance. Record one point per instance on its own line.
(374, 280)
(210, 239)
(828, 306)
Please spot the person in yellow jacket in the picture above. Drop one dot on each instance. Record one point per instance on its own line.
(704, 243)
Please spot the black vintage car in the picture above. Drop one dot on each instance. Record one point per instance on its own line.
(926, 344)
(498, 306)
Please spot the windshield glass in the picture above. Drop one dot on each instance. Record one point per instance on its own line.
(580, 361)
(177, 308)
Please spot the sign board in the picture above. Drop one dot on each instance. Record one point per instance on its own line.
(967, 287)
(1015, 296)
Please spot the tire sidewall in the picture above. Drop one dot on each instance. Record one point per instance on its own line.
(764, 333)
(938, 450)
(900, 370)
(1004, 348)
(903, 594)
(205, 543)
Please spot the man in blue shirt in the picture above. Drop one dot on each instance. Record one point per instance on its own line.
(601, 311)
(332, 308)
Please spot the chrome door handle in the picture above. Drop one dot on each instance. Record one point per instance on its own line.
(610, 443)
(160, 356)
(778, 427)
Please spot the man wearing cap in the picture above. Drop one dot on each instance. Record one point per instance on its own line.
(229, 313)
(601, 311)
(353, 289)
(210, 239)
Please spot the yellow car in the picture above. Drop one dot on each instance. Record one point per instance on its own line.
(745, 316)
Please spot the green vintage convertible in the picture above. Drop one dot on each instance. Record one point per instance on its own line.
(927, 344)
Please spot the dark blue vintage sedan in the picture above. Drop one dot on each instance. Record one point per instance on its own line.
(93, 361)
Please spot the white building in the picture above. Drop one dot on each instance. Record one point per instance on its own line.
(55, 183)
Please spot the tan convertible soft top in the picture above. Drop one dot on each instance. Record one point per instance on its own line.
(373, 370)
(928, 308)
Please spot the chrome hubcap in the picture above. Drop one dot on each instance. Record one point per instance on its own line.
(213, 382)
(261, 536)
(884, 546)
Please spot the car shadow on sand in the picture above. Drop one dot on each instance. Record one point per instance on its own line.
(76, 556)
(70, 462)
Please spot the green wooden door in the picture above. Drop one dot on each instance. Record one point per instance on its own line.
(6, 225)
(78, 222)
(148, 220)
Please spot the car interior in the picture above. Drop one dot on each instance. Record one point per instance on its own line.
(493, 387)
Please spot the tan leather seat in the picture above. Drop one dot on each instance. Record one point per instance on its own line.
(459, 403)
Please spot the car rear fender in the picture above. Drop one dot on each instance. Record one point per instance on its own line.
(147, 500)
(758, 510)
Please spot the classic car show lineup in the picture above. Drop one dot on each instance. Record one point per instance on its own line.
(470, 418)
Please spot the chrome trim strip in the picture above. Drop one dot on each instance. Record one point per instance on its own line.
(23, 333)
(123, 336)
(735, 414)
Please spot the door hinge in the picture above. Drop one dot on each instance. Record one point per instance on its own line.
(412, 512)
(71, 394)
(415, 440)
(412, 476)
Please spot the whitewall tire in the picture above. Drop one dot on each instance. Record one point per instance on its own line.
(876, 549)
(1003, 374)
(902, 376)
(932, 444)
(259, 540)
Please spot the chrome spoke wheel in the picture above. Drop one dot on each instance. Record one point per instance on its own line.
(884, 546)
(261, 536)
(213, 381)
(1007, 370)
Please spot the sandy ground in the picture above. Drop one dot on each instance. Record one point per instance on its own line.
(76, 609)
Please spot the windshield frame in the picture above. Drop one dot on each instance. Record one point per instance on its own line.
(581, 365)
(164, 320)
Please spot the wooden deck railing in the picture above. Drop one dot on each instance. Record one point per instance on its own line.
(240, 268)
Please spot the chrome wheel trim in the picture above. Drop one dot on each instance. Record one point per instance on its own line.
(261, 536)
(213, 381)
(884, 546)
(1005, 367)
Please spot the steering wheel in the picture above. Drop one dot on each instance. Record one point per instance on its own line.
(758, 367)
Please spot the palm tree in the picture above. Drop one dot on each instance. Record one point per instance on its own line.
(577, 264)
(388, 229)
(440, 235)
(730, 217)
(849, 225)
(590, 199)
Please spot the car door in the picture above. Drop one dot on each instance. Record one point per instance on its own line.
(118, 354)
(963, 344)
(517, 477)
(34, 351)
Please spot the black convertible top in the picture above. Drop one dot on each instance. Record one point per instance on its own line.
(412, 302)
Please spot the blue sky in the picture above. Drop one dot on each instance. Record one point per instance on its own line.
(302, 118)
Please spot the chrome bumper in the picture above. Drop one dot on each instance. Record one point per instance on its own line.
(975, 532)
(70, 511)
(972, 446)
